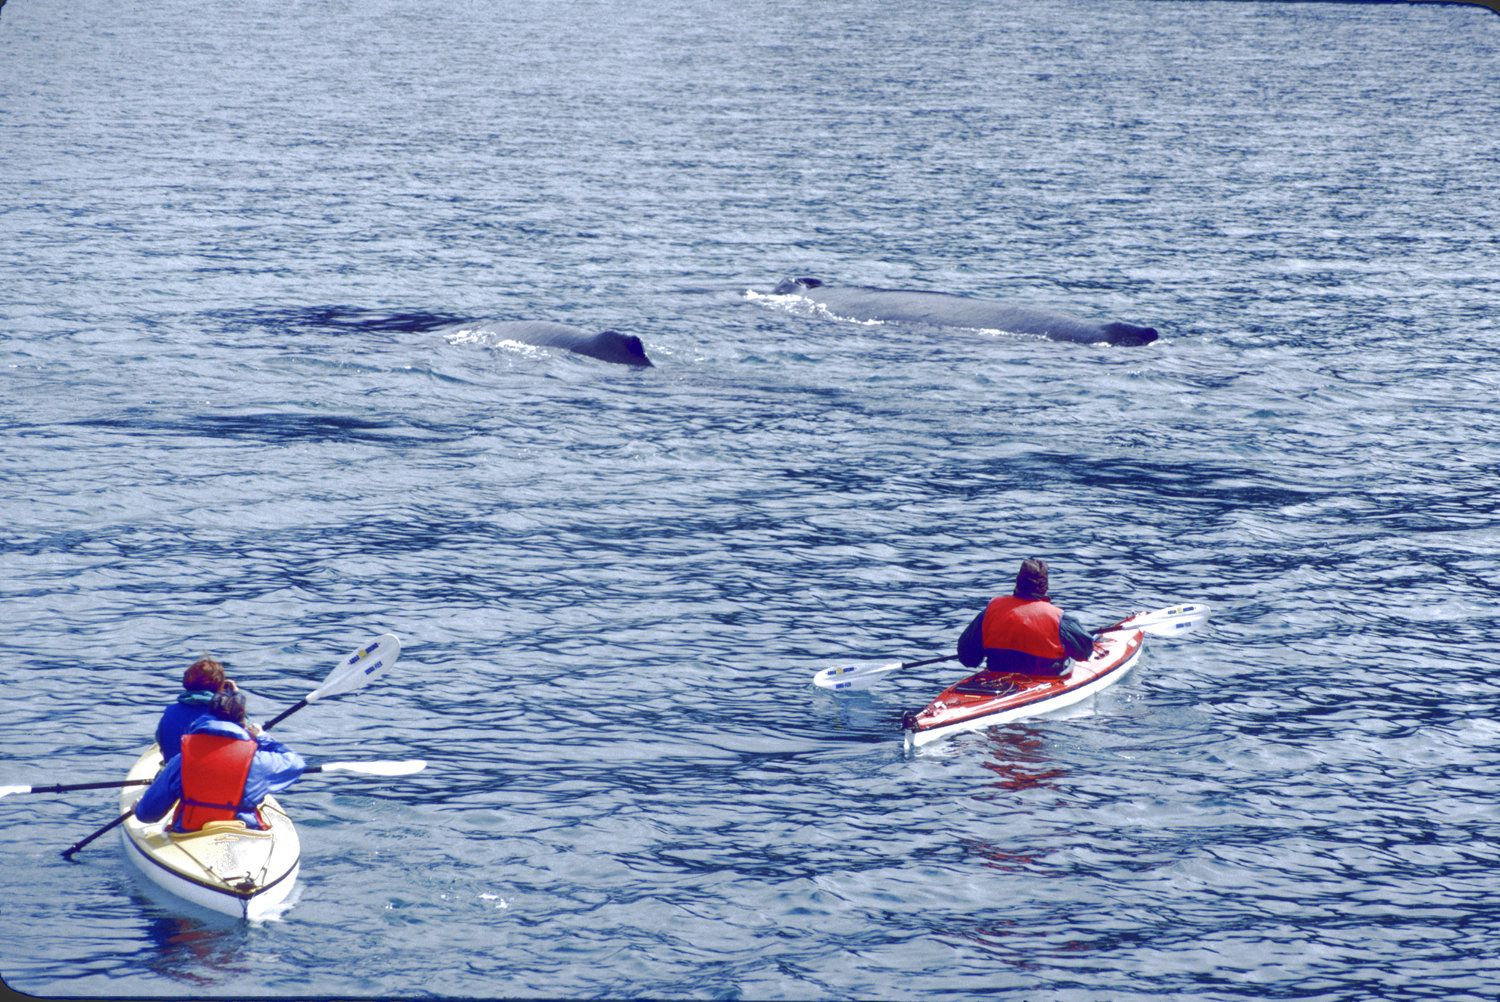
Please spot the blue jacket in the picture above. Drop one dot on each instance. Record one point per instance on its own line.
(274, 768)
(177, 718)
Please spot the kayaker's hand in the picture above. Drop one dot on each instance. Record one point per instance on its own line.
(253, 729)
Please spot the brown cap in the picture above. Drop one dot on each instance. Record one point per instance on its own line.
(203, 675)
(1031, 582)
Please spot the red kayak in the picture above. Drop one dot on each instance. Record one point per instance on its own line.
(989, 697)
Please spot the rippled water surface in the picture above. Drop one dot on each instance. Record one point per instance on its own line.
(232, 237)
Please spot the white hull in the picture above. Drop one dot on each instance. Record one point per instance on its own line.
(225, 868)
(975, 713)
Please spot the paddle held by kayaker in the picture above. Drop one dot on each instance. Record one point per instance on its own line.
(1024, 633)
(226, 768)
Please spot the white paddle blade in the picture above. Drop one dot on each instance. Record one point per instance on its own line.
(6, 791)
(360, 667)
(1172, 622)
(1178, 627)
(376, 768)
(852, 677)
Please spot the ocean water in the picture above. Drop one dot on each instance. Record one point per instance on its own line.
(232, 237)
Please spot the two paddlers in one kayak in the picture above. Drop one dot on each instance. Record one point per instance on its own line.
(219, 766)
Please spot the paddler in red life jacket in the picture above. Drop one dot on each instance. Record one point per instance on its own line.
(202, 679)
(225, 770)
(1024, 633)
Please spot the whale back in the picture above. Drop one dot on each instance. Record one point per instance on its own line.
(608, 346)
(867, 304)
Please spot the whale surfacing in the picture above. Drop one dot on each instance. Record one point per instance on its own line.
(609, 346)
(857, 302)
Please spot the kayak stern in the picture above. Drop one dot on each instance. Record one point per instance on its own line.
(226, 867)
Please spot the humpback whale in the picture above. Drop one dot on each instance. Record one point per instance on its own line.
(611, 346)
(856, 302)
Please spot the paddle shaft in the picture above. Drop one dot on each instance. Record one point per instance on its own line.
(954, 657)
(930, 661)
(119, 783)
(68, 853)
(116, 784)
(284, 714)
(113, 784)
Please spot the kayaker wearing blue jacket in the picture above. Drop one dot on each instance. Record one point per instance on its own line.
(1024, 633)
(226, 768)
(202, 679)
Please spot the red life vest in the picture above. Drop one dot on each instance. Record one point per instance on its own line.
(1026, 625)
(214, 769)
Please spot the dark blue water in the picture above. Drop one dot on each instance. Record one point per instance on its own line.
(230, 238)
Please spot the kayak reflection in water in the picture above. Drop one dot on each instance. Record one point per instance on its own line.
(1024, 633)
(226, 768)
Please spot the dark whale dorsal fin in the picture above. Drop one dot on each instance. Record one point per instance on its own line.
(792, 286)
